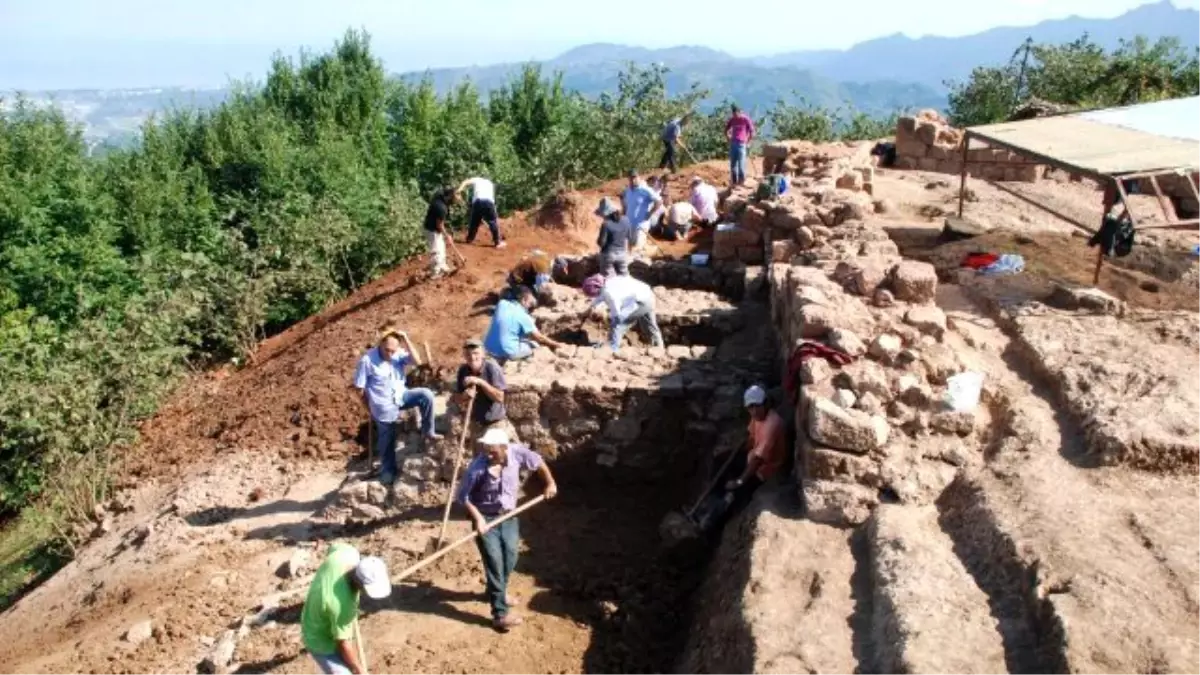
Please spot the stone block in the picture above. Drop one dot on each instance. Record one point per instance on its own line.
(914, 281)
(862, 377)
(782, 251)
(928, 319)
(927, 132)
(522, 405)
(907, 162)
(927, 164)
(821, 463)
(885, 347)
(847, 341)
(911, 149)
(850, 430)
(837, 503)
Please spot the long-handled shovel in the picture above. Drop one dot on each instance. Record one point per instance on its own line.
(462, 439)
(428, 560)
(462, 261)
(711, 486)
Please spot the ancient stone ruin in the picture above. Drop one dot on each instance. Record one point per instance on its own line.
(927, 142)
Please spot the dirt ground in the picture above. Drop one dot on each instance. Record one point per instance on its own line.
(223, 486)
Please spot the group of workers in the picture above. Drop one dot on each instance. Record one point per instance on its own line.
(492, 481)
(488, 494)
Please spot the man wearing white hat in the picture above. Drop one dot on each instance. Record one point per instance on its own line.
(329, 620)
(489, 490)
(766, 453)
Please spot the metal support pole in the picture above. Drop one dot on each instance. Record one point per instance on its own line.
(962, 181)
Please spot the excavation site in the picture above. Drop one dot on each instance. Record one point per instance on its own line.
(985, 472)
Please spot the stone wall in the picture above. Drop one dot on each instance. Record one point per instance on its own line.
(830, 185)
(927, 142)
(726, 277)
(685, 317)
(876, 428)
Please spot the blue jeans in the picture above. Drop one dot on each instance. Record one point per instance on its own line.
(386, 432)
(499, 547)
(737, 162)
(331, 664)
(644, 315)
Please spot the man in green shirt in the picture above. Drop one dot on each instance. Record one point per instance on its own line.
(329, 622)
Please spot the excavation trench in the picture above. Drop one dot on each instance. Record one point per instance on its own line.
(631, 438)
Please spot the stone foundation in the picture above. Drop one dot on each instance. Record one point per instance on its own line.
(927, 142)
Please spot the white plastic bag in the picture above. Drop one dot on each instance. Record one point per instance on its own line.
(963, 390)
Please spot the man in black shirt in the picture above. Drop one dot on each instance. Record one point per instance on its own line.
(435, 229)
(483, 377)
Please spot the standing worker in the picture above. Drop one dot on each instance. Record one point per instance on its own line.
(435, 229)
(483, 208)
(512, 333)
(740, 131)
(629, 301)
(640, 201)
(380, 381)
(489, 490)
(672, 135)
(329, 620)
(615, 240)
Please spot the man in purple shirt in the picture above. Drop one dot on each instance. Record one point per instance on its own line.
(740, 131)
(489, 490)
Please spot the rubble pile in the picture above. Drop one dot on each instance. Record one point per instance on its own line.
(927, 142)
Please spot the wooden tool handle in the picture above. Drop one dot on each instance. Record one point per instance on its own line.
(423, 563)
(714, 482)
(462, 439)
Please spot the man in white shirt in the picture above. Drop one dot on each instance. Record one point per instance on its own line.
(680, 218)
(483, 208)
(704, 199)
(629, 301)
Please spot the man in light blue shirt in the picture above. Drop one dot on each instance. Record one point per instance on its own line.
(512, 333)
(380, 378)
(641, 205)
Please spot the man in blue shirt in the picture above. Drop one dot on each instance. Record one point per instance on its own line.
(512, 333)
(672, 135)
(640, 202)
(380, 379)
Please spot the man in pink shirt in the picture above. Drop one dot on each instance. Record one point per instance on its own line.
(740, 131)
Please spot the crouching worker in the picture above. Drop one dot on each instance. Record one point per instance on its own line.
(489, 490)
(380, 381)
(329, 620)
(766, 452)
(629, 301)
(533, 271)
(513, 333)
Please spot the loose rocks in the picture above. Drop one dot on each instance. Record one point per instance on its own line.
(850, 430)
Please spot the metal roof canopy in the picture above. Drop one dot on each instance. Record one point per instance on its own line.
(1139, 141)
(1159, 137)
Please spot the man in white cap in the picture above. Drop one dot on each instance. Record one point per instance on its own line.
(329, 620)
(489, 490)
(766, 453)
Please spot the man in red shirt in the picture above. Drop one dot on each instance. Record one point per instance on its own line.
(740, 131)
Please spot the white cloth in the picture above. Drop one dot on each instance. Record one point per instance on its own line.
(482, 190)
(437, 252)
(681, 214)
(622, 294)
(704, 199)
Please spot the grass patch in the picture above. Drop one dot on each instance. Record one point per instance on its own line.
(29, 554)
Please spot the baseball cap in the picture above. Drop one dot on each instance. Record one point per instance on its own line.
(607, 207)
(494, 437)
(754, 396)
(472, 344)
(372, 573)
(696, 180)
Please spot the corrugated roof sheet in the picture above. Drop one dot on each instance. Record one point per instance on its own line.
(1164, 135)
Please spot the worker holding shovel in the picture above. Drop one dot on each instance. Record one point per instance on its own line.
(672, 135)
(489, 492)
(329, 620)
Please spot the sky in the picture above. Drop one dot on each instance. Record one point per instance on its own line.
(133, 43)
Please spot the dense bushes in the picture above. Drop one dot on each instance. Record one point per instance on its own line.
(1078, 74)
(120, 271)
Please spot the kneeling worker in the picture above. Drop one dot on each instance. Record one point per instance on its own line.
(629, 301)
(489, 490)
(329, 620)
(766, 453)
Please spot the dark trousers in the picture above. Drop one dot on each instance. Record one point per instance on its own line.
(668, 157)
(498, 547)
(483, 211)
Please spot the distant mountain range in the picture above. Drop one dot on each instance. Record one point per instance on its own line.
(878, 76)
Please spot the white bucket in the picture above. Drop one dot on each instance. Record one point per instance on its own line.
(963, 390)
